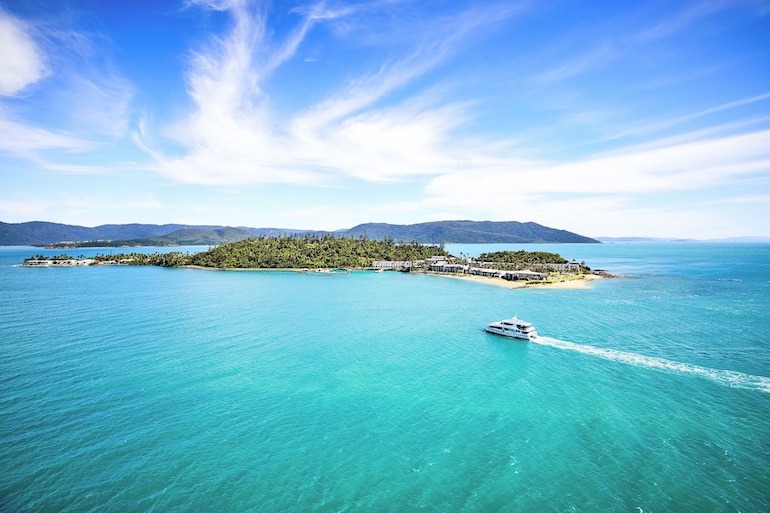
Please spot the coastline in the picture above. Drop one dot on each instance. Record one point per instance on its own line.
(258, 269)
(568, 284)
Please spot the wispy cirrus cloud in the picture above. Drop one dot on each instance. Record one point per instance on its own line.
(233, 136)
(647, 128)
(368, 130)
(621, 191)
(22, 139)
(229, 136)
(85, 102)
(614, 46)
(21, 61)
(661, 167)
(682, 20)
(21, 66)
(592, 59)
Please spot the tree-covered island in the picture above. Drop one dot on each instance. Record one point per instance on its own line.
(329, 252)
(311, 251)
(285, 252)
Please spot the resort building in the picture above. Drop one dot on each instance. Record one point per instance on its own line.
(441, 266)
(569, 266)
(523, 275)
(389, 265)
(483, 271)
(72, 262)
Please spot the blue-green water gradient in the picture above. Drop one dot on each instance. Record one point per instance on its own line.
(150, 389)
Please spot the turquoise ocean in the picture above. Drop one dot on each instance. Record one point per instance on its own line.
(151, 389)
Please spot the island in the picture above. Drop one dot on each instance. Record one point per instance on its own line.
(326, 252)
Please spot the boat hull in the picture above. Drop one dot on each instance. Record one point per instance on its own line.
(510, 334)
(512, 328)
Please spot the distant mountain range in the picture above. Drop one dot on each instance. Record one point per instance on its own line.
(38, 233)
(469, 232)
(183, 237)
(618, 240)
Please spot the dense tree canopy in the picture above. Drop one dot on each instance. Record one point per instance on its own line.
(522, 257)
(171, 259)
(311, 251)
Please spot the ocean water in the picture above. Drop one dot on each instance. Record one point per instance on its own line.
(150, 389)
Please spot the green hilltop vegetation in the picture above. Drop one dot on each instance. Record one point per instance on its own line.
(311, 251)
(522, 257)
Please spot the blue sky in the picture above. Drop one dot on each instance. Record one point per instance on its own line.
(602, 118)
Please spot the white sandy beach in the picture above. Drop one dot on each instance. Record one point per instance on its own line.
(583, 283)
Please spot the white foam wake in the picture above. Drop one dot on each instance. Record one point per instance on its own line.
(729, 378)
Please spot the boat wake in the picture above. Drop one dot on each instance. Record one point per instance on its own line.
(728, 378)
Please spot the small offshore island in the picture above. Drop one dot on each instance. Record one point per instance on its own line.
(324, 253)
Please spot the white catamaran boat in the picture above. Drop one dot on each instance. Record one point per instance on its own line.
(513, 328)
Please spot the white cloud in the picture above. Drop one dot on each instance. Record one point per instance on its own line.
(21, 63)
(668, 167)
(229, 137)
(668, 123)
(592, 59)
(98, 104)
(21, 211)
(232, 137)
(380, 145)
(82, 102)
(600, 195)
(682, 20)
(618, 46)
(22, 139)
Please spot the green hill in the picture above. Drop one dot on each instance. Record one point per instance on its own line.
(193, 237)
(311, 251)
(469, 232)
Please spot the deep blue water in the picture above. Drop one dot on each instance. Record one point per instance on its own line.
(149, 389)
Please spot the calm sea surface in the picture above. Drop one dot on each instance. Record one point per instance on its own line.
(149, 389)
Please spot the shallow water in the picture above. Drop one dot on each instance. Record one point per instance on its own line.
(138, 388)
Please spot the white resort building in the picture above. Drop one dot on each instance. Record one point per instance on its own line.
(439, 264)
